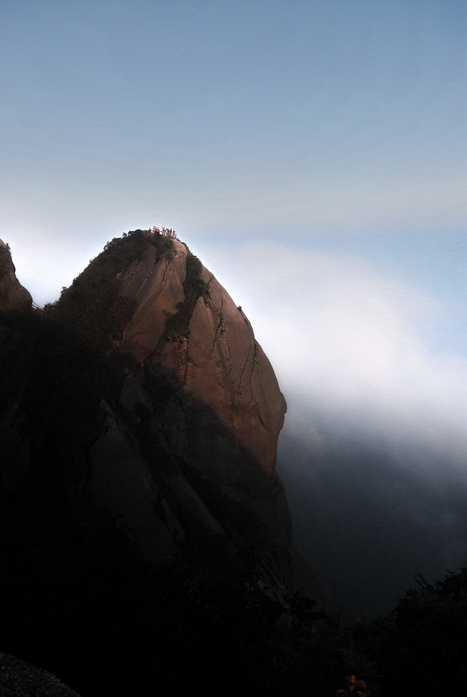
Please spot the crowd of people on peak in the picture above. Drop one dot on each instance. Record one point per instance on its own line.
(166, 231)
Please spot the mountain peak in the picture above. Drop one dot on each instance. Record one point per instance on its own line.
(147, 299)
(145, 396)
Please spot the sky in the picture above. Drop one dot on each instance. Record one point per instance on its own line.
(312, 153)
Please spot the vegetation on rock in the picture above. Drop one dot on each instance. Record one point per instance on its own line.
(6, 263)
(92, 307)
(193, 287)
(421, 645)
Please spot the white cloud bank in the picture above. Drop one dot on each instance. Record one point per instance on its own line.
(351, 347)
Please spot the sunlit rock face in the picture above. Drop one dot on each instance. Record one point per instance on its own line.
(138, 429)
(212, 352)
(12, 294)
(176, 453)
(223, 408)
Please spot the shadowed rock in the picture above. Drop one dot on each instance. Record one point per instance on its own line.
(141, 513)
(13, 296)
(21, 679)
(178, 457)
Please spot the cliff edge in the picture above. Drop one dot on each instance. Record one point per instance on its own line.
(144, 398)
(185, 321)
(13, 296)
(145, 536)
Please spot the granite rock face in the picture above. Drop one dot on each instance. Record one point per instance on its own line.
(13, 296)
(140, 510)
(179, 455)
(217, 406)
(213, 353)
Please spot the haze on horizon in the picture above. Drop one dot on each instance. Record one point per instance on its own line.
(313, 155)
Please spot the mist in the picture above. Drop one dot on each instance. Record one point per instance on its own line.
(373, 452)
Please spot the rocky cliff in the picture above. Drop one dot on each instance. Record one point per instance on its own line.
(186, 322)
(141, 516)
(12, 294)
(202, 391)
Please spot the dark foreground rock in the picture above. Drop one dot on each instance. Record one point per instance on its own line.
(21, 679)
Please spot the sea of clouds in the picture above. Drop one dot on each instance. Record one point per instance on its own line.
(351, 342)
(373, 451)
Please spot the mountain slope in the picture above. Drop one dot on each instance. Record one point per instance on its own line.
(138, 424)
(13, 296)
(196, 391)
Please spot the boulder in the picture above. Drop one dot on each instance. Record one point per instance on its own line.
(21, 679)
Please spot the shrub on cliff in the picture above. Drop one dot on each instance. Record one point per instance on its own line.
(193, 287)
(5, 259)
(421, 645)
(92, 307)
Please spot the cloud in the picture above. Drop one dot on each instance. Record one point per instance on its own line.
(353, 347)
(373, 450)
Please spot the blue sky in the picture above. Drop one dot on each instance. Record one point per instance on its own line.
(312, 153)
(222, 118)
